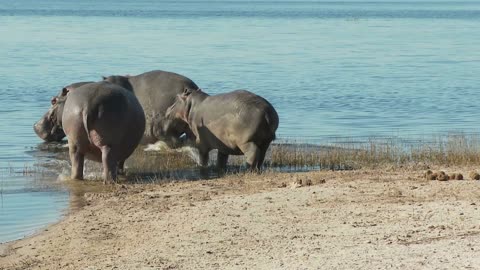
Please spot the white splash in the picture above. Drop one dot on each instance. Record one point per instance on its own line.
(63, 177)
(158, 146)
(192, 152)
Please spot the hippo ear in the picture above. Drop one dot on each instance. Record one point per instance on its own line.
(104, 78)
(65, 91)
(187, 92)
(182, 97)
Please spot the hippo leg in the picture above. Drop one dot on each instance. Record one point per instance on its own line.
(203, 160)
(222, 161)
(121, 167)
(189, 138)
(254, 155)
(261, 156)
(77, 159)
(109, 164)
(203, 157)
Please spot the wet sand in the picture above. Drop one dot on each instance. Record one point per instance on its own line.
(365, 219)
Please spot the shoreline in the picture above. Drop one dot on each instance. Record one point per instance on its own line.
(345, 219)
(76, 192)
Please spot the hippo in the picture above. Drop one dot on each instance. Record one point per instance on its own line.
(234, 123)
(102, 121)
(47, 129)
(156, 91)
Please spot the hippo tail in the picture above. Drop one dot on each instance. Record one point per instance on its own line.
(85, 124)
(272, 123)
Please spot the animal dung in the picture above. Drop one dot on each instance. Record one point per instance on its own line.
(429, 175)
(474, 176)
(298, 182)
(442, 176)
(455, 176)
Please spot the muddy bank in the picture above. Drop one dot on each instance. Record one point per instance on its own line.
(348, 220)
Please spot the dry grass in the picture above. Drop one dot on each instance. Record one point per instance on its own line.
(151, 161)
(453, 149)
(285, 155)
(152, 166)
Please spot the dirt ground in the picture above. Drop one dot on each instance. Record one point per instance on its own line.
(367, 219)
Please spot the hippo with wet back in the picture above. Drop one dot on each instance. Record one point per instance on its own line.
(156, 91)
(235, 123)
(102, 121)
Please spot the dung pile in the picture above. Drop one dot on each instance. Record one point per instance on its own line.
(442, 176)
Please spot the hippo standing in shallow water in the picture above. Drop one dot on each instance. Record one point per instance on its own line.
(156, 91)
(235, 123)
(103, 122)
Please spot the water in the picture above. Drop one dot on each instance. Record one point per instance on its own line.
(348, 69)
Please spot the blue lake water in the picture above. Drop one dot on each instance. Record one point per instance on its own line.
(331, 69)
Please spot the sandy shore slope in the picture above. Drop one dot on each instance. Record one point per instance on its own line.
(364, 219)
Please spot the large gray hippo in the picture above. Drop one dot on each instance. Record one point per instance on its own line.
(156, 91)
(235, 123)
(103, 122)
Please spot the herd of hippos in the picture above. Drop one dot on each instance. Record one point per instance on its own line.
(105, 121)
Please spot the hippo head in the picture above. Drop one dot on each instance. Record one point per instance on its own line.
(49, 127)
(122, 81)
(176, 116)
(180, 108)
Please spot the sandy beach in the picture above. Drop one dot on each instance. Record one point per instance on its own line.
(365, 219)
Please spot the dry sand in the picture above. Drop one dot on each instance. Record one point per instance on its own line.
(367, 219)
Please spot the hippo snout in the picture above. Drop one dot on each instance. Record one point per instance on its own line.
(37, 127)
(48, 132)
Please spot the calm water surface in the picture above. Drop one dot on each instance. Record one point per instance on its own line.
(348, 69)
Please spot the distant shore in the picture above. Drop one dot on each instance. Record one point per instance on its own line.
(327, 219)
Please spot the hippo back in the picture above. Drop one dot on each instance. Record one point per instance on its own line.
(156, 91)
(246, 115)
(105, 114)
(245, 105)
